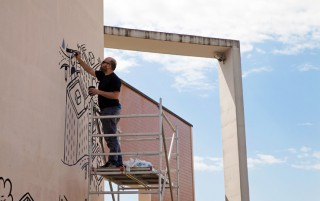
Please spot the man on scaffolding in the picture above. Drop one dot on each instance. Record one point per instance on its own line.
(108, 99)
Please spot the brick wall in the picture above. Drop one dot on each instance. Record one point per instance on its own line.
(134, 102)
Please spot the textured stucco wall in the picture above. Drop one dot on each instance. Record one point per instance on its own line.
(43, 103)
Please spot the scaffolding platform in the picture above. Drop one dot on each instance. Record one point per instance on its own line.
(133, 176)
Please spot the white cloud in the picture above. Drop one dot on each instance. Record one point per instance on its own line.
(269, 159)
(307, 166)
(189, 73)
(264, 159)
(126, 60)
(305, 124)
(305, 149)
(256, 70)
(303, 155)
(316, 154)
(307, 67)
(207, 164)
(291, 22)
(292, 150)
(304, 152)
(298, 43)
(260, 51)
(306, 158)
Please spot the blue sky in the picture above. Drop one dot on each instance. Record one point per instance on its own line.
(280, 59)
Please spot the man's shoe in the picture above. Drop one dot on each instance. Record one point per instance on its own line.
(108, 165)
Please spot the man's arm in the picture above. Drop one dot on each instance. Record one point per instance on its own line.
(85, 66)
(110, 95)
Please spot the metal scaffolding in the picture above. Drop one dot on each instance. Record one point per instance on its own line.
(138, 180)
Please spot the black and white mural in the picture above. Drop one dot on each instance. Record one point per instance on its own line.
(77, 126)
(78, 110)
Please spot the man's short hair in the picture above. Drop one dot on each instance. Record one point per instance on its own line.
(113, 63)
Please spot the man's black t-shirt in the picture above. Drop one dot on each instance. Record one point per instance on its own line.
(108, 83)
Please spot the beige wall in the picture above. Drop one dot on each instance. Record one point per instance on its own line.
(42, 155)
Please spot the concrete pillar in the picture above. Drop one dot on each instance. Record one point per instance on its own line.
(233, 130)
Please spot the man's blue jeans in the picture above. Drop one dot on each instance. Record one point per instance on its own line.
(110, 127)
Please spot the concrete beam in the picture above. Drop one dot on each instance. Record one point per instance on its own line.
(165, 43)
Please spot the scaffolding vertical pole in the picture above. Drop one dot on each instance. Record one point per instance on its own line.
(177, 164)
(89, 152)
(168, 157)
(160, 149)
(118, 193)
(167, 165)
(111, 189)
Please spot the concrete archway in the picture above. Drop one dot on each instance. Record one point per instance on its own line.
(230, 87)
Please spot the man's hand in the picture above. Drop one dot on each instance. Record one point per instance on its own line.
(77, 55)
(93, 91)
(111, 95)
(85, 66)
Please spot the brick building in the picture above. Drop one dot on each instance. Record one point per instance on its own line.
(135, 102)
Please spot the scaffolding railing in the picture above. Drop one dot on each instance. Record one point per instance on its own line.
(151, 180)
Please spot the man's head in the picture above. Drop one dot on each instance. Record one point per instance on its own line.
(108, 63)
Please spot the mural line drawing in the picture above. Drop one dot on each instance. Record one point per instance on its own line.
(77, 112)
(26, 197)
(63, 198)
(6, 191)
